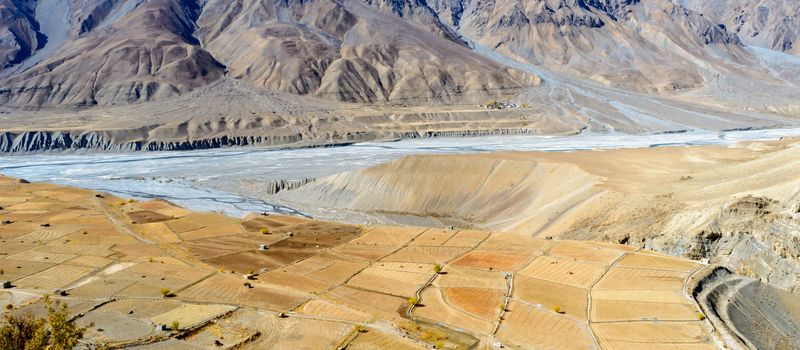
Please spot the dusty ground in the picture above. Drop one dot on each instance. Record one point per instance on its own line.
(326, 285)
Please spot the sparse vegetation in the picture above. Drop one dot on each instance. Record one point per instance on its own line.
(166, 293)
(56, 331)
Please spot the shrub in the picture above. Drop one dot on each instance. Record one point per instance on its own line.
(557, 309)
(264, 231)
(174, 325)
(412, 301)
(437, 268)
(55, 331)
(700, 316)
(166, 293)
(248, 285)
(439, 345)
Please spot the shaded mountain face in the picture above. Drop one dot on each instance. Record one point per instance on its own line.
(773, 24)
(111, 52)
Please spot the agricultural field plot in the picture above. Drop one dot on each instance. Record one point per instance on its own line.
(338, 272)
(570, 300)
(222, 334)
(585, 253)
(255, 222)
(623, 278)
(54, 232)
(495, 260)
(563, 271)
(140, 308)
(159, 232)
(56, 277)
(35, 256)
(8, 246)
(100, 288)
(530, 327)
(171, 276)
(378, 304)
(116, 327)
(481, 303)
(197, 221)
(649, 261)
(398, 283)
(230, 289)
(365, 252)
(212, 231)
(509, 242)
(425, 254)
(192, 315)
(312, 335)
(653, 335)
(605, 310)
(467, 239)
(376, 340)
(390, 236)
(316, 234)
(468, 278)
(433, 237)
(328, 309)
(14, 270)
(434, 307)
(208, 248)
(146, 217)
(294, 281)
(254, 260)
(98, 250)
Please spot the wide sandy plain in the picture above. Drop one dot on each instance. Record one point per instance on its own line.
(322, 285)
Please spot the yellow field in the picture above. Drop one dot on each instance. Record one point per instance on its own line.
(534, 328)
(56, 277)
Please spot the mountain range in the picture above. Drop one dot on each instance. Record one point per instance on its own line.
(601, 65)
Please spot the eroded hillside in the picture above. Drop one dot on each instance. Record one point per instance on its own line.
(734, 205)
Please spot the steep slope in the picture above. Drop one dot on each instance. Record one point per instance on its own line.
(19, 32)
(653, 46)
(149, 53)
(772, 24)
(340, 51)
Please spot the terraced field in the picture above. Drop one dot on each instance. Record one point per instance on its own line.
(154, 276)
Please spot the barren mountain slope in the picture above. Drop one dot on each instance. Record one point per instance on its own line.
(347, 51)
(149, 53)
(773, 24)
(646, 46)
(737, 205)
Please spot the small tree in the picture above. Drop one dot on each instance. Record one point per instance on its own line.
(165, 292)
(56, 331)
(264, 231)
(412, 301)
(557, 309)
(174, 325)
(437, 268)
